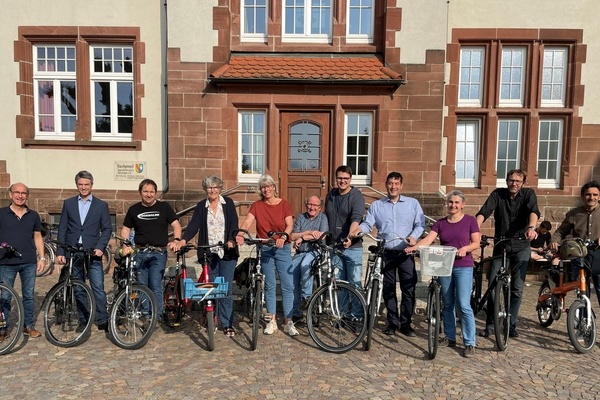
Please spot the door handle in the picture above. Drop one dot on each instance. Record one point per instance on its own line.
(323, 181)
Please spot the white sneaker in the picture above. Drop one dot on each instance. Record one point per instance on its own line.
(271, 327)
(290, 329)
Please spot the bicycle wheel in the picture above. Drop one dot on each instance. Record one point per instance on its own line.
(11, 318)
(172, 305)
(476, 289)
(433, 319)
(502, 314)
(133, 317)
(107, 258)
(341, 322)
(582, 336)
(544, 308)
(373, 296)
(49, 263)
(69, 313)
(256, 312)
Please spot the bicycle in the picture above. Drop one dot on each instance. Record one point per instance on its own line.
(337, 309)
(70, 306)
(175, 303)
(255, 293)
(133, 313)
(581, 321)
(12, 313)
(501, 281)
(49, 232)
(436, 261)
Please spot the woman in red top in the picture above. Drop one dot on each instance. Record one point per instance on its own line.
(272, 213)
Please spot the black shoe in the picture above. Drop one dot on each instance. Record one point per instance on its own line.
(303, 304)
(390, 330)
(512, 332)
(298, 320)
(81, 327)
(103, 327)
(407, 330)
(487, 332)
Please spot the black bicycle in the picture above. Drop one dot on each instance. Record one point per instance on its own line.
(70, 306)
(337, 310)
(133, 313)
(12, 313)
(498, 287)
(255, 296)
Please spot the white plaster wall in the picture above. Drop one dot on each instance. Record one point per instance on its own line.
(191, 29)
(424, 27)
(47, 168)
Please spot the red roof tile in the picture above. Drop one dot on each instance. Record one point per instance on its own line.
(348, 68)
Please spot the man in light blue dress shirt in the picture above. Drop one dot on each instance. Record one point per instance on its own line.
(398, 219)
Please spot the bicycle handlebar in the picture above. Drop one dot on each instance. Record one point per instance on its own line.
(73, 249)
(10, 249)
(253, 241)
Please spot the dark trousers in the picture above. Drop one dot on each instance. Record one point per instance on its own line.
(399, 265)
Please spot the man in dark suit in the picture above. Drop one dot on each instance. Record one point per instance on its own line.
(85, 220)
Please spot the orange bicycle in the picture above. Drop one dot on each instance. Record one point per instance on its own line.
(581, 321)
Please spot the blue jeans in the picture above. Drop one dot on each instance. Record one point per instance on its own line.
(151, 269)
(517, 262)
(226, 269)
(8, 275)
(301, 264)
(279, 259)
(458, 287)
(96, 278)
(349, 265)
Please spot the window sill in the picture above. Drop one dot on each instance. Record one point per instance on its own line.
(84, 144)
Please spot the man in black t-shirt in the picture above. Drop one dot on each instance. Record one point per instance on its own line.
(150, 219)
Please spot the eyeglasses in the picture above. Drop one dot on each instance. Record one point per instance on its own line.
(213, 188)
(312, 205)
(342, 178)
(21, 193)
(515, 181)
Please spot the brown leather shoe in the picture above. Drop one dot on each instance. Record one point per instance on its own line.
(31, 332)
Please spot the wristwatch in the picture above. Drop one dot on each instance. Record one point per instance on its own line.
(42, 259)
(530, 227)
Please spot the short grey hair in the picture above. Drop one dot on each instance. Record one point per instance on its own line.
(311, 196)
(211, 181)
(456, 193)
(266, 180)
(84, 175)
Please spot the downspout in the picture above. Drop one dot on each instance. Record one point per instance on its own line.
(165, 97)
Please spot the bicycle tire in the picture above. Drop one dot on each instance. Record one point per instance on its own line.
(256, 312)
(344, 331)
(172, 308)
(433, 319)
(582, 337)
(64, 323)
(12, 329)
(210, 328)
(133, 317)
(373, 296)
(544, 308)
(502, 314)
(107, 258)
(476, 288)
(50, 256)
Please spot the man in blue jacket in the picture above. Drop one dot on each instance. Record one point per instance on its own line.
(85, 220)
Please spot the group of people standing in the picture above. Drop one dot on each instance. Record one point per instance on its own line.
(399, 219)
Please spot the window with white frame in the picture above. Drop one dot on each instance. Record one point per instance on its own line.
(508, 148)
(54, 78)
(252, 135)
(512, 76)
(112, 92)
(254, 21)
(554, 76)
(359, 23)
(359, 136)
(307, 21)
(467, 153)
(549, 153)
(472, 64)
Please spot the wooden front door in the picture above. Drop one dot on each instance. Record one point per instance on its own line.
(304, 156)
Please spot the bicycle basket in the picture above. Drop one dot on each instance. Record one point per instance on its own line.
(241, 275)
(209, 290)
(571, 249)
(437, 260)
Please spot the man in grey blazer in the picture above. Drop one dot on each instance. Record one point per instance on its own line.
(85, 220)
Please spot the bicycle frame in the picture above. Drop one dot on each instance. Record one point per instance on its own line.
(479, 300)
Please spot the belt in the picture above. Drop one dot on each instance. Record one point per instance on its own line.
(150, 248)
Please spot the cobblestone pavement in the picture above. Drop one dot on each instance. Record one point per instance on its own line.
(176, 364)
